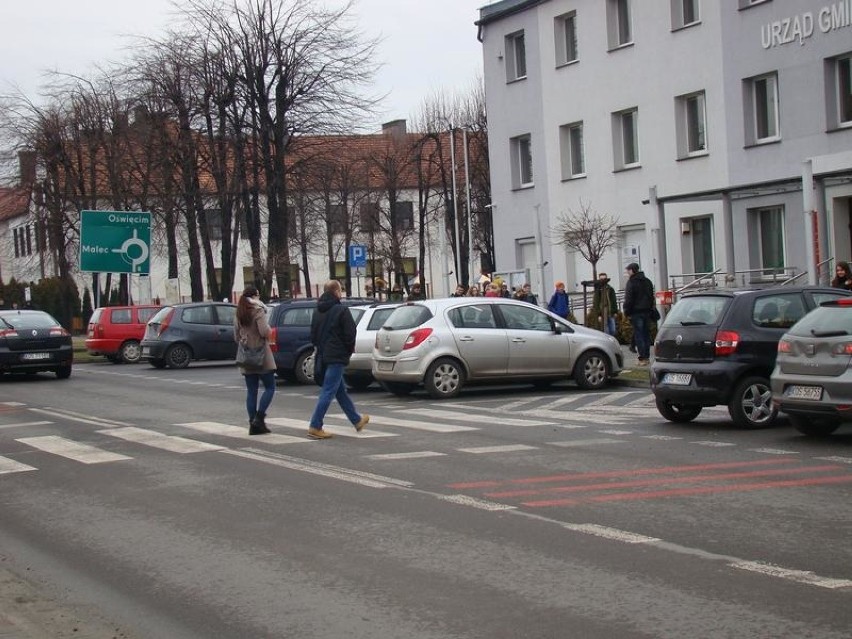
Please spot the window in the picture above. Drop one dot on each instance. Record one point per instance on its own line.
(521, 161)
(516, 57)
(691, 125)
(473, 316)
(403, 215)
(296, 317)
(369, 217)
(144, 314)
(23, 240)
(771, 240)
(214, 224)
(684, 13)
(626, 139)
(778, 311)
(839, 89)
(225, 315)
(525, 319)
(761, 94)
(337, 219)
(565, 37)
(619, 30)
(702, 244)
(198, 314)
(121, 316)
(571, 149)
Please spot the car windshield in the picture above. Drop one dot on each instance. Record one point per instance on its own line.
(408, 316)
(699, 310)
(33, 319)
(825, 321)
(161, 315)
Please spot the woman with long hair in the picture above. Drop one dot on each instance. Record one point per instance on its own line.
(842, 276)
(252, 329)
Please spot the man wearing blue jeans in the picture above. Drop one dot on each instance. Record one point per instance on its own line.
(333, 334)
(638, 302)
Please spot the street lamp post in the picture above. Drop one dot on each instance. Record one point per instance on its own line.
(457, 262)
(469, 210)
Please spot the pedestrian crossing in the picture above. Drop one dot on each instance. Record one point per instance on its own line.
(585, 420)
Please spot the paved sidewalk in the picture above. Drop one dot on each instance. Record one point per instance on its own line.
(633, 374)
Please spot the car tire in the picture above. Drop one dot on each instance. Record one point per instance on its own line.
(400, 389)
(814, 426)
(678, 413)
(63, 372)
(178, 356)
(751, 405)
(592, 370)
(157, 363)
(130, 352)
(444, 378)
(305, 367)
(358, 382)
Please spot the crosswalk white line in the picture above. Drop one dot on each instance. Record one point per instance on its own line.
(236, 432)
(418, 425)
(154, 439)
(564, 401)
(602, 399)
(451, 415)
(413, 455)
(335, 429)
(12, 404)
(571, 415)
(713, 444)
(508, 448)
(587, 442)
(8, 466)
(76, 451)
(23, 424)
(77, 417)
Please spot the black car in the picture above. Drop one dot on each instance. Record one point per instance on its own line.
(290, 338)
(718, 348)
(180, 333)
(33, 341)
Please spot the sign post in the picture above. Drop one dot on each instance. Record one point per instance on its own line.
(358, 261)
(115, 242)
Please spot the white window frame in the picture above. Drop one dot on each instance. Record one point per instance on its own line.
(565, 38)
(516, 56)
(572, 150)
(680, 11)
(619, 23)
(521, 161)
(691, 124)
(625, 134)
(765, 108)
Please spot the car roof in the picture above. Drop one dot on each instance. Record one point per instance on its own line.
(190, 304)
(757, 290)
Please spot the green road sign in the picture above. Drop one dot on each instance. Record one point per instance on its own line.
(115, 242)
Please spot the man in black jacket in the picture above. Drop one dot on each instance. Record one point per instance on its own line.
(333, 335)
(638, 302)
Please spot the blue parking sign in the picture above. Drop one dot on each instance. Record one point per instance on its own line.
(357, 256)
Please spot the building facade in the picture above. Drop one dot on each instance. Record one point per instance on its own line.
(694, 122)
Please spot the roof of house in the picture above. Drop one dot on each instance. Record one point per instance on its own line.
(14, 202)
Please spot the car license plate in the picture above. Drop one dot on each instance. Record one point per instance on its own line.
(804, 392)
(386, 366)
(35, 356)
(677, 379)
(146, 350)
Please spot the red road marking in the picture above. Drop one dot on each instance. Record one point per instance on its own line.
(625, 473)
(663, 480)
(681, 492)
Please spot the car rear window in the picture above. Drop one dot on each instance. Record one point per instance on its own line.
(380, 316)
(145, 314)
(161, 315)
(356, 312)
(825, 321)
(120, 315)
(96, 316)
(32, 319)
(408, 316)
(297, 316)
(699, 310)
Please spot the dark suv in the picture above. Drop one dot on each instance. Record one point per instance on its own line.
(718, 348)
(290, 338)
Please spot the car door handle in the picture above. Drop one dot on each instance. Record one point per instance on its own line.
(466, 338)
(519, 340)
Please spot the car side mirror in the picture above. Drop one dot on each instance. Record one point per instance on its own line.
(558, 329)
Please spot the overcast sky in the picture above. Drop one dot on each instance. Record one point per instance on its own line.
(427, 45)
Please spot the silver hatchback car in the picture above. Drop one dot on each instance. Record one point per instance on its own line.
(444, 344)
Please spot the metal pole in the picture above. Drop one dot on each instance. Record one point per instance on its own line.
(455, 205)
(469, 210)
(808, 206)
(539, 250)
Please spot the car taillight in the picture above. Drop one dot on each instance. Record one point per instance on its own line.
(726, 342)
(8, 332)
(785, 347)
(416, 338)
(165, 323)
(58, 331)
(272, 339)
(842, 349)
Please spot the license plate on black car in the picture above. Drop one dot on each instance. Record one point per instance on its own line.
(677, 379)
(804, 392)
(29, 357)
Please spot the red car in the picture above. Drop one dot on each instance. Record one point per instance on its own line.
(115, 331)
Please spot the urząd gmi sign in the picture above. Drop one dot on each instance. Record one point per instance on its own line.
(837, 15)
(115, 242)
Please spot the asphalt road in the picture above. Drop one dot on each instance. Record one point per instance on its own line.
(133, 504)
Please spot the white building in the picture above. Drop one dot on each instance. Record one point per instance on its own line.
(694, 122)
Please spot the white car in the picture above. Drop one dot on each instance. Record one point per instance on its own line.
(359, 373)
(445, 344)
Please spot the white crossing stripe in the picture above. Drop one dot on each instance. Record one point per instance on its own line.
(8, 466)
(418, 425)
(12, 404)
(603, 399)
(159, 440)
(774, 451)
(834, 458)
(336, 430)
(613, 431)
(663, 438)
(713, 444)
(72, 450)
(77, 417)
(22, 424)
(226, 430)
(586, 442)
(592, 418)
(451, 416)
(799, 576)
(413, 455)
(509, 448)
(570, 399)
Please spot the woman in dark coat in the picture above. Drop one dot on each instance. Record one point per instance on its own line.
(843, 277)
(251, 328)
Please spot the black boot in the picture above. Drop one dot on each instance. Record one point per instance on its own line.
(258, 425)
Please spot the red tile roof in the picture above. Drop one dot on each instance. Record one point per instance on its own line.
(14, 202)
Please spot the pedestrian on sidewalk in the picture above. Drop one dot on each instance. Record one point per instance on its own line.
(638, 304)
(252, 329)
(559, 302)
(333, 335)
(605, 304)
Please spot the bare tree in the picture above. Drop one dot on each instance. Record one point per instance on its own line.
(588, 232)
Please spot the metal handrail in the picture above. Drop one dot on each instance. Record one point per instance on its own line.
(701, 276)
(819, 270)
